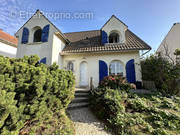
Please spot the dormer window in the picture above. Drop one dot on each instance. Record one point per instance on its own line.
(37, 35)
(114, 38)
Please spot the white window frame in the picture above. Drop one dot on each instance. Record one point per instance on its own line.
(116, 68)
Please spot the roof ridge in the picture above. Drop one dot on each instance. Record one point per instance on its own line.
(81, 31)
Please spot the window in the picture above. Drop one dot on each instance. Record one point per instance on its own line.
(25, 36)
(116, 68)
(37, 35)
(70, 66)
(113, 38)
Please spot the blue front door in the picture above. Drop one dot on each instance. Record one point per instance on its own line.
(130, 71)
(103, 70)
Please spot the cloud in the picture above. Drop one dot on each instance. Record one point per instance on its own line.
(10, 20)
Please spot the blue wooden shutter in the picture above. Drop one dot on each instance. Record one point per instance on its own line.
(43, 60)
(130, 71)
(104, 37)
(45, 33)
(103, 70)
(25, 36)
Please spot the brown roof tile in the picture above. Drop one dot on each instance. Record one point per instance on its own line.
(5, 37)
(90, 41)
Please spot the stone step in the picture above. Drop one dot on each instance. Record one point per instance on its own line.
(81, 95)
(77, 105)
(82, 91)
(80, 100)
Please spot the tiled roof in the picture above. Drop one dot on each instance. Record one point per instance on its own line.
(90, 41)
(8, 39)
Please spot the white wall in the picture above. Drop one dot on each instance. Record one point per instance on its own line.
(42, 49)
(57, 47)
(115, 25)
(171, 41)
(93, 63)
(7, 50)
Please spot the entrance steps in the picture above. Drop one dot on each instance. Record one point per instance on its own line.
(81, 100)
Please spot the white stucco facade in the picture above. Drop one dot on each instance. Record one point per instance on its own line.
(42, 49)
(171, 42)
(83, 63)
(114, 25)
(92, 60)
(7, 50)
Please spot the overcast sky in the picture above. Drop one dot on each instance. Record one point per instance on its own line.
(149, 19)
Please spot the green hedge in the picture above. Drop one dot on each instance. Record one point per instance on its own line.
(33, 93)
(130, 114)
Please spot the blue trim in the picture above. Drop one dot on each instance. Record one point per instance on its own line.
(104, 37)
(25, 35)
(45, 33)
(103, 70)
(130, 71)
(43, 60)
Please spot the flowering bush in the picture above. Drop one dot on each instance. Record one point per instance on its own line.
(116, 82)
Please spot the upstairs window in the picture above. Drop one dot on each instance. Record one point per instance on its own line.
(37, 35)
(113, 38)
(70, 66)
(116, 68)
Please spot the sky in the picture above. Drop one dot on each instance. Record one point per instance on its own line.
(149, 19)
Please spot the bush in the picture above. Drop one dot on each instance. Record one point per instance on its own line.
(34, 93)
(165, 75)
(130, 114)
(116, 82)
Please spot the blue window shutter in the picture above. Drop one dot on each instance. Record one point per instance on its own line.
(104, 37)
(45, 33)
(103, 70)
(130, 71)
(43, 60)
(25, 36)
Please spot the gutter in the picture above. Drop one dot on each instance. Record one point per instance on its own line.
(144, 54)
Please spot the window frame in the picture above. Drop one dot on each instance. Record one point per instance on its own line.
(115, 37)
(40, 34)
(70, 66)
(116, 68)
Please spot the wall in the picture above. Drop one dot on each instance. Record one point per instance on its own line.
(57, 47)
(42, 49)
(171, 41)
(93, 63)
(115, 25)
(7, 50)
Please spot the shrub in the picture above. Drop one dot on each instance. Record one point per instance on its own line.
(165, 75)
(115, 82)
(131, 114)
(30, 90)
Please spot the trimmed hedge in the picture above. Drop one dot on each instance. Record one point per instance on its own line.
(33, 97)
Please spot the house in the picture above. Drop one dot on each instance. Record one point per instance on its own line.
(170, 43)
(91, 55)
(8, 44)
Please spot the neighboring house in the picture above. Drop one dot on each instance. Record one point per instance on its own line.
(91, 55)
(170, 43)
(8, 44)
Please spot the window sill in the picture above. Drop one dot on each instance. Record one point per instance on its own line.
(34, 43)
